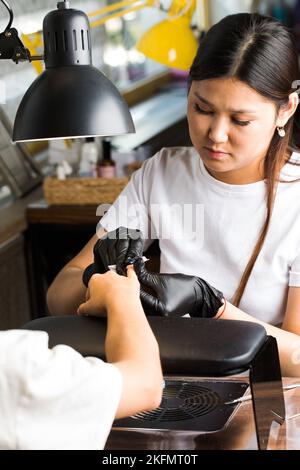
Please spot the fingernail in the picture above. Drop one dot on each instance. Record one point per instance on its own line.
(130, 261)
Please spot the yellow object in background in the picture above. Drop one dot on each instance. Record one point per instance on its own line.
(172, 42)
(32, 42)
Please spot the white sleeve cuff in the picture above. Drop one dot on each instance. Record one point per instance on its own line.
(294, 279)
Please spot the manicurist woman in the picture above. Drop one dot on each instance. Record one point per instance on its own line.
(243, 170)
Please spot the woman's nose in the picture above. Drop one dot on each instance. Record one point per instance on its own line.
(218, 132)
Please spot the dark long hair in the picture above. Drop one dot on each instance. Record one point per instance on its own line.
(261, 52)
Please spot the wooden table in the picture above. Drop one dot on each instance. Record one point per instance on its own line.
(238, 434)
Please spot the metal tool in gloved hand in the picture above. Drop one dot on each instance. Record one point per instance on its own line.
(118, 247)
(177, 294)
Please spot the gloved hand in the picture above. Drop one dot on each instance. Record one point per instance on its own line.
(177, 294)
(119, 247)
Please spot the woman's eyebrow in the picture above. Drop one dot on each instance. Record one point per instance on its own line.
(233, 111)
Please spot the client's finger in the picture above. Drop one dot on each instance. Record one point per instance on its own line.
(130, 272)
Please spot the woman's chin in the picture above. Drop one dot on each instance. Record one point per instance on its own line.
(219, 165)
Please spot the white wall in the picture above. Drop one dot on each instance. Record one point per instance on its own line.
(221, 8)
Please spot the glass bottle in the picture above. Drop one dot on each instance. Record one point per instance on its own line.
(88, 160)
(106, 166)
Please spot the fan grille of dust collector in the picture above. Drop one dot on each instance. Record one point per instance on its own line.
(189, 406)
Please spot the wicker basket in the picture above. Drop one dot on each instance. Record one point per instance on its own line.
(82, 191)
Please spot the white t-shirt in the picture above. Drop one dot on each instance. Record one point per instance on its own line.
(53, 398)
(222, 222)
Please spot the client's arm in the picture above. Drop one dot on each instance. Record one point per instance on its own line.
(67, 291)
(130, 344)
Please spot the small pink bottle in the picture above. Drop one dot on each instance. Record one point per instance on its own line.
(106, 166)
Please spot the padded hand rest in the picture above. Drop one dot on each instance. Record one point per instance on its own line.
(188, 346)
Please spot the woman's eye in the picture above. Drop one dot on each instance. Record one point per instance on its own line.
(236, 121)
(241, 123)
(200, 110)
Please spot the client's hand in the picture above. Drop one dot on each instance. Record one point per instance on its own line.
(110, 289)
(116, 247)
(177, 294)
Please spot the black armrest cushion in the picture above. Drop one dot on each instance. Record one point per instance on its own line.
(188, 346)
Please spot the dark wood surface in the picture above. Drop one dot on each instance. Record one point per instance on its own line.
(239, 433)
(13, 216)
(39, 212)
(14, 292)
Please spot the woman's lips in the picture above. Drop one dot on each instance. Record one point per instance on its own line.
(217, 155)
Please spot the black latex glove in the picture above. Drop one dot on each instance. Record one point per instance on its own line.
(119, 247)
(177, 294)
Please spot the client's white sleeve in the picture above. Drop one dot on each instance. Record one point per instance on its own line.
(53, 398)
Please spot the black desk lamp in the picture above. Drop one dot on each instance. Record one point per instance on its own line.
(71, 98)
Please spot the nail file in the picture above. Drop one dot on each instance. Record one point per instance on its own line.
(112, 267)
(249, 397)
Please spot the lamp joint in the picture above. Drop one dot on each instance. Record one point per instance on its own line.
(63, 5)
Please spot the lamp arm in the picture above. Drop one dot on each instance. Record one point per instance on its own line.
(118, 10)
(11, 15)
(122, 4)
(11, 46)
(181, 8)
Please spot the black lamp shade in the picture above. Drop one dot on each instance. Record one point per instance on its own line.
(71, 98)
(66, 102)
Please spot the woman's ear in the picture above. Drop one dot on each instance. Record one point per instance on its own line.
(287, 111)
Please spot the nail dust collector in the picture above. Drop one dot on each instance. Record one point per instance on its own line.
(192, 348)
